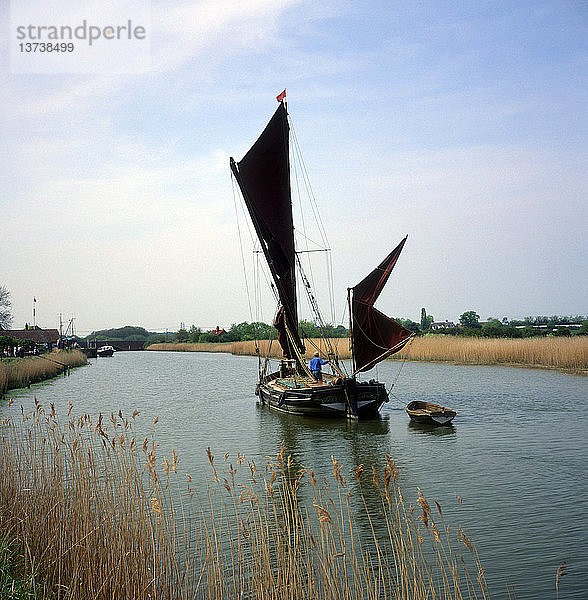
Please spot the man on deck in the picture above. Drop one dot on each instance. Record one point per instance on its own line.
(315, 367)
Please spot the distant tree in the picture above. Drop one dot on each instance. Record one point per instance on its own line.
(494, 328)
(425, 320)
(155, 338)
(195, 333)
(408, 324)
(470, 319)
(5, 312)
(181, 335)
(312, 330)
(125, 333)
(583, 328)
(242, 332)
(561, 331)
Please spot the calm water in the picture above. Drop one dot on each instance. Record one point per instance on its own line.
(516, 454)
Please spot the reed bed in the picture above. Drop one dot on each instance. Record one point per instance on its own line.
(569, 354)
(97, 514)
(548, 352)
(26, 371)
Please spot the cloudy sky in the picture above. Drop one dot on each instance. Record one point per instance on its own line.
(461, 124)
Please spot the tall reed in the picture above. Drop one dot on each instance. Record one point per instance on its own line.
(549, 352)
(99, 515)
(23, 372)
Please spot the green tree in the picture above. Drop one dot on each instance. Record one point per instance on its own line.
(561, 331)
(408, 324)
(470, 319)
(583, 328)
(494, 328)
(126, 333)
(181, 335)
(194, 333)
(426, 320)
(5, 313)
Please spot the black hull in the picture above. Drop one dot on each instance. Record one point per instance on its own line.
(103, 353)
(352, 399)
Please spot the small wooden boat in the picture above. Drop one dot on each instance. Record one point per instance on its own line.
(105, 351)
(429, 413)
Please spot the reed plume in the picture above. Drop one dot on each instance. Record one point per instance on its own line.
(98, 514)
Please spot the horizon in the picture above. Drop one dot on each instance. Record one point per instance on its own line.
(460, 125)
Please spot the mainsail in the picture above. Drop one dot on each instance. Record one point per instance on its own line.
(374, 336)
(263, 176)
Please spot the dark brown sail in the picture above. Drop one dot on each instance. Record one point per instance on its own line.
(264, 178)
(374, 336)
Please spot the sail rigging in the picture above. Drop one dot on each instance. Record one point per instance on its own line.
(374, 336)
(263, 176)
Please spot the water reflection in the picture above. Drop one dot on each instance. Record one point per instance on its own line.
(435, 430)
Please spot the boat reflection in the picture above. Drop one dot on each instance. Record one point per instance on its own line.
(437, 430)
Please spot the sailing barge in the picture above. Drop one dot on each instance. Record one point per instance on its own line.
(263, 176)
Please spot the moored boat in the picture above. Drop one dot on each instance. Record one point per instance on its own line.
(105, 351)
(263, 176)
(429, 413)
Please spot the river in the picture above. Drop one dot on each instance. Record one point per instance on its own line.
(511, 470)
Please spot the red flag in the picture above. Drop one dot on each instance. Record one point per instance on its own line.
(281, 96)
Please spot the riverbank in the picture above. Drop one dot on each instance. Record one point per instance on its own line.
(565, 354)
(22, 372)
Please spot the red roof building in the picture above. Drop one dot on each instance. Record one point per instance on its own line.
(36, 334)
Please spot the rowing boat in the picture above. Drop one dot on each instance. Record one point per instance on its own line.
(429, 413)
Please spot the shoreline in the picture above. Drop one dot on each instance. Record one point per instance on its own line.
(24, 372)
(565, 355)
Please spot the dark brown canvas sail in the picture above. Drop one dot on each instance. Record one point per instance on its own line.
(374, 336)
(264, 178)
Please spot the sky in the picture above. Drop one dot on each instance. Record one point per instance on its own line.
(461, 124)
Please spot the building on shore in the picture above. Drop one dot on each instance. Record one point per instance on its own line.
(442, 325)
(47, 337)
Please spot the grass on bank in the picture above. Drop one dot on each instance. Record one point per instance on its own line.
(550, 352)
(102, 516)
(15, 584)
(23, 372)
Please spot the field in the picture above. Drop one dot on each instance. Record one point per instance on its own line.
(22, 372)
(567, 354)
(89, 510)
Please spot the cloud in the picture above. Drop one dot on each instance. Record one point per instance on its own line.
(185, 30)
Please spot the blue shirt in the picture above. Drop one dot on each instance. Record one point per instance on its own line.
(316, 362)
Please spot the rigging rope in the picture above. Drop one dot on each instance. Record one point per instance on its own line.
(241, 249)
(400, 367)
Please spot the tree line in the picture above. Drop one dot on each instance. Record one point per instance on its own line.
(469, 325)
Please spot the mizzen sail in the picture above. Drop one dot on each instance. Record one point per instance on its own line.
(374, 336)
(263, 176)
